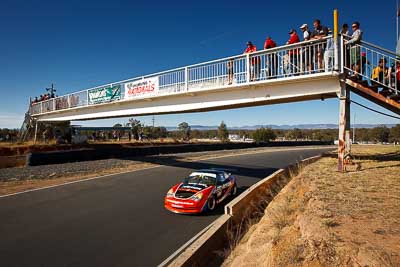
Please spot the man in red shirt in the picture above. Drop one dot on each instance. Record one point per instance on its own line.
(294, 52)
(254, 61)
(271, 58)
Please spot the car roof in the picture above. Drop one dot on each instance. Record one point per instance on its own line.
(213, 171)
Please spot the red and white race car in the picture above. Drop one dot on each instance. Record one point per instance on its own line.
(200, 192)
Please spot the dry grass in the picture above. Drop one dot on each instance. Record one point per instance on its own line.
(326, 218)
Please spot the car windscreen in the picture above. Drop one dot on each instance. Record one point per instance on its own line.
(202, 179)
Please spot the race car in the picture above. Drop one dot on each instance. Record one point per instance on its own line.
(201, 191)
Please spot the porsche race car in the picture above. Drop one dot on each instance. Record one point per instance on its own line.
(201, 191)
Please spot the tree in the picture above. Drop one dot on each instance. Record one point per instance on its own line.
(184, 128)
(380, 134)
(118, 125)
(395, 134)
(136, 128)
(223, 133)
(263, 135)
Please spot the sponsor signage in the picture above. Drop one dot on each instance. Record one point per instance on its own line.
(141, 88)
(105, 94)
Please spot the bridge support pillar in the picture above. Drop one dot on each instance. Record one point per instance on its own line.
(344, 127)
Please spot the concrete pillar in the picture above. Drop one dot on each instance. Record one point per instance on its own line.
(344, 126)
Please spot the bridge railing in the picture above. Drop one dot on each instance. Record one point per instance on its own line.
(361, 59)
(305, 58)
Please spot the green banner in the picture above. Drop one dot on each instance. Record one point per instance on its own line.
(105, 94)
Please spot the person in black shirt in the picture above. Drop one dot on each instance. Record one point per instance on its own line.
(319, 33)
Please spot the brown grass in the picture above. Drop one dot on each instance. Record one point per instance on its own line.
(326, 218)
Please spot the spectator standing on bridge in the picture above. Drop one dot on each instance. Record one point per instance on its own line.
(345, 29)
(293, 52)
(307, 51)
(254, 61)
(380, 74)
(329, 54)
(319, 33)
(272, 60)
(354, 42)
(229, 67)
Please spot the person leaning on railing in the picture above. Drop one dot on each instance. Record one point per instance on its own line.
(319, 33)
(354, 42)
(272, 59)
(254, 61)
(293, 53)
(380, 74)
(306, 52)
(329, 54)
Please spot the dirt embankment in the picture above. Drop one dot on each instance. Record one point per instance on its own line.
(326, 218)
(14, 155)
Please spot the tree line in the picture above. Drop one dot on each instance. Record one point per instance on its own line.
(139, 131)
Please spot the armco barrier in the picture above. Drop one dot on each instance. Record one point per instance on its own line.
(106, 152)
(215, 238)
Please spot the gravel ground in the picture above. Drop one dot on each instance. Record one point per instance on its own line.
(62, 170)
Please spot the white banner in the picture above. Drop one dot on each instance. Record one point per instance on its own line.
(141, 88)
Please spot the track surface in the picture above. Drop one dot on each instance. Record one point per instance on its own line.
(117, 220)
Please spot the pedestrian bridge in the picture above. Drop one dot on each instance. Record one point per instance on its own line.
(283, 74)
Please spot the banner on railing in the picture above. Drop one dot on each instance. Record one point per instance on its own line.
(145, 87)
(105, 94)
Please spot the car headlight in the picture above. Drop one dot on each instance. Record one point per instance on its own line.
(170, 193)
(197, 197)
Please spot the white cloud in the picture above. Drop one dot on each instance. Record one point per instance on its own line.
(11, 120)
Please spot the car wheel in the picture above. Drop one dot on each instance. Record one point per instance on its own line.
(211, 203)
(234, 190)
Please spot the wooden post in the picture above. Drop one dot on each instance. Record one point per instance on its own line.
(344, 126)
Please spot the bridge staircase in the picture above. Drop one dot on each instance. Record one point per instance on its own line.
(27, 128)
(382, 89)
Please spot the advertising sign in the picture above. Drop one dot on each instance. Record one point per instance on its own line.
(105, 94)
(141, 88)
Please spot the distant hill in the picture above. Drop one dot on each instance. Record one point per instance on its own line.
(282, 127)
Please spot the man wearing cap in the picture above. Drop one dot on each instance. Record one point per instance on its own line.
(255, 61)
(307, 51)
(294, 52)
(272, 60)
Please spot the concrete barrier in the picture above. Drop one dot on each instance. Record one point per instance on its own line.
(205, 249)
(199, 253)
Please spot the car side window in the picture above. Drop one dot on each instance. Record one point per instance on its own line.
(220, 179)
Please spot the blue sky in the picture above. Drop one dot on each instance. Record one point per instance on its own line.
(80, 44)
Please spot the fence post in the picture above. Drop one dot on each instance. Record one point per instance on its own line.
(186, 79)
(248, 71)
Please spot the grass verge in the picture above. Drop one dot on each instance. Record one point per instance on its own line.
(326, 218)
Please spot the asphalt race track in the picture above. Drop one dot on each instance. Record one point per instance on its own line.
(117, 220)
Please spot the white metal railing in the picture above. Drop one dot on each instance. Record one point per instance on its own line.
(377, 66)
(305, 58)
